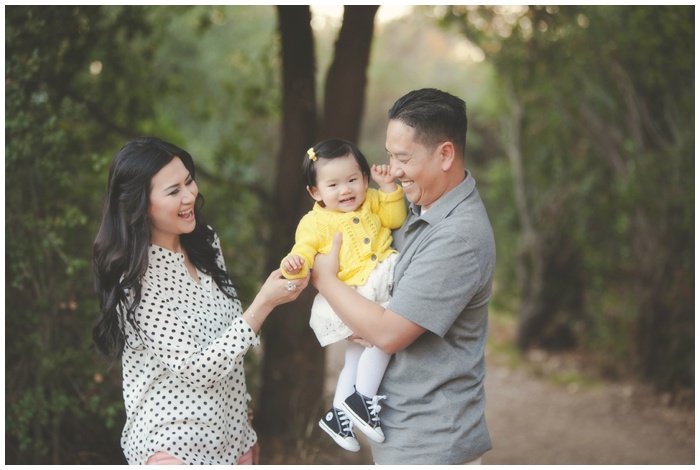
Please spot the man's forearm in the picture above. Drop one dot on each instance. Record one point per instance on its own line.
(383, 328)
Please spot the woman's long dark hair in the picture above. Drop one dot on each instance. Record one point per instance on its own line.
(120, 251)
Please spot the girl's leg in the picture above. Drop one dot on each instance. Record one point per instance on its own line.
(370, 370)
(348, 376)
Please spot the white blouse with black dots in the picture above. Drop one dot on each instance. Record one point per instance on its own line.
(183, 378)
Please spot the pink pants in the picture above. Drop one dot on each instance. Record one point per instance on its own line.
(161, 458)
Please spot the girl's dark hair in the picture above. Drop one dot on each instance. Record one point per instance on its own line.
(120, 251)
(332, 148)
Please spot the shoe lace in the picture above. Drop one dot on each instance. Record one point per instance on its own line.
(374, 407)
(345, 423)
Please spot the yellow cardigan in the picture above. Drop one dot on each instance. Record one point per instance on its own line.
(366, 235)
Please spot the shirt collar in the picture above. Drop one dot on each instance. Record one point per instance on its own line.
(161, 254)
(443, 206)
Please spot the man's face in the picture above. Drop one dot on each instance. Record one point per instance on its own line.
(418, 168)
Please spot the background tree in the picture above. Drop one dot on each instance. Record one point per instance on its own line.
(294, 366)
(80, 81)
(581, 137)
(59, 120)
(597, 127)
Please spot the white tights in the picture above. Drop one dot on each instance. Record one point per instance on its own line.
(363, 370)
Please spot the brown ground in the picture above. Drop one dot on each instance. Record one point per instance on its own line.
(534, 418)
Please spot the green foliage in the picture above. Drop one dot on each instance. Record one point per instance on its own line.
(56, 115)
(226, 58)
(80, 81)
(606, 138)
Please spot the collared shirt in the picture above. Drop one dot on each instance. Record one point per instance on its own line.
(183, 378)
(434, 411)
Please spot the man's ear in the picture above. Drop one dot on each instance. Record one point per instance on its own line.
(313, 191)
(447, 155)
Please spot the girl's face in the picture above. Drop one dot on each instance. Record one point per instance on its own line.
(340, 184)
(171, 207)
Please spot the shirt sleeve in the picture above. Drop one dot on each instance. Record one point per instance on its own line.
(441, 280)
(164, 330)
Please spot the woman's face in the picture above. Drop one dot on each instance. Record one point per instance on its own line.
(171, 207)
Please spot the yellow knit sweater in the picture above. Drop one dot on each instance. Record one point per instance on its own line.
(366, 235)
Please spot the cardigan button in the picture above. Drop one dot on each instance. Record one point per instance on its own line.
(374, 257)
(366, 240)
(356, 220)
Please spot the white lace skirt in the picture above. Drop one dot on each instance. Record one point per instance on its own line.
(328, 327)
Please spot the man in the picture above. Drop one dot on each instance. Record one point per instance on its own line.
(436, 322)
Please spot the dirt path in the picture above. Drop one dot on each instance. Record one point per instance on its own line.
(533, 420)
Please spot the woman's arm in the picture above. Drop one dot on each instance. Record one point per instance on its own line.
(164, 330)
(274, 292)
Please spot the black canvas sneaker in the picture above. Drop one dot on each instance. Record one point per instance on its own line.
(337, 424)
(364, 413)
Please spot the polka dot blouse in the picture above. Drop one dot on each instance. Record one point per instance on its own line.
(183, 379)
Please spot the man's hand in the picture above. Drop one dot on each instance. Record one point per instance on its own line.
(326, 266)
(362, 342)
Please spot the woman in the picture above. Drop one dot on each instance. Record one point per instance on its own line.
(170, 312)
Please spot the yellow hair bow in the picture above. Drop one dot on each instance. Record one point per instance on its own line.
(312, 154)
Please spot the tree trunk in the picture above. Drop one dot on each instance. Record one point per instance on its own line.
(548, 266)
(347, 76)
(291, 398)
(292, 375)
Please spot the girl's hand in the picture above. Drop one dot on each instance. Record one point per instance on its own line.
(381, 174)
(293, 263)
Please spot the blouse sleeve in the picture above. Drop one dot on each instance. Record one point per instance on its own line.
(165, 330)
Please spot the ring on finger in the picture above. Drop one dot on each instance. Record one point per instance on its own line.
(291, 287)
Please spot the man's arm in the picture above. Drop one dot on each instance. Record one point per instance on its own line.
(385, 329)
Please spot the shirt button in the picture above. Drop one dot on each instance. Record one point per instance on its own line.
(366, 241)
(356, 220)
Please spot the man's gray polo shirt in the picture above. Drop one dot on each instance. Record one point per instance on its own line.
(434, 411)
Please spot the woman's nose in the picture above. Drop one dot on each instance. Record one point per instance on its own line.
(189, 195)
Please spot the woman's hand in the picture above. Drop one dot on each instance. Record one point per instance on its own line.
(277, 290)
(256, 453)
